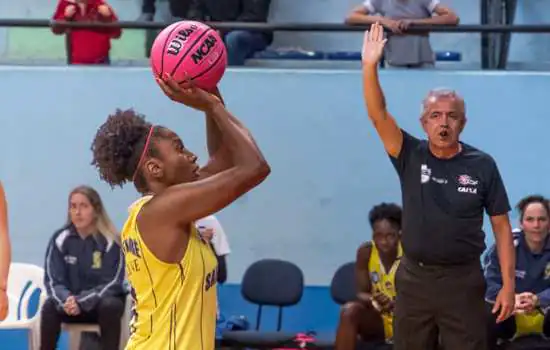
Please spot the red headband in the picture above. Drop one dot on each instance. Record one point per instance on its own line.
(144, 152)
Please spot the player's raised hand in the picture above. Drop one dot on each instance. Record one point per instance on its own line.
(373, 44)
(187, 93)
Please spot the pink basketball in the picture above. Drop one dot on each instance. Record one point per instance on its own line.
(190, 49)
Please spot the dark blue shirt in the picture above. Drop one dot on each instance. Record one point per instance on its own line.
(444, 201)
(532, 271)
(87, 269)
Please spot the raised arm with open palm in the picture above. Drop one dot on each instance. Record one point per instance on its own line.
(387, 128)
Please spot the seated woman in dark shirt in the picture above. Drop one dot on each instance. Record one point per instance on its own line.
(532, 247)
(84, 273)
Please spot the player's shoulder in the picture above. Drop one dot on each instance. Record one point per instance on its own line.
(59, 238)
(412, 143)
(473, 153)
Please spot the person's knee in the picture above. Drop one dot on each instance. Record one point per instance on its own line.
(351, 312)
(111, 307)
(49, 307)
(236, 39)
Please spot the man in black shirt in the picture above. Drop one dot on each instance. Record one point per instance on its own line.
(446, 185)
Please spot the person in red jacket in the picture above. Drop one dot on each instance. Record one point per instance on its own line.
(87, 46)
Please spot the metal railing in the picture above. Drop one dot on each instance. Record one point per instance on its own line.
(284, 27)
(487, 51)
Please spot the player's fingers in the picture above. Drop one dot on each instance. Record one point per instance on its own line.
(375, 29)
(496, 306)
(504, 313)
(164, 87)
(173, 84)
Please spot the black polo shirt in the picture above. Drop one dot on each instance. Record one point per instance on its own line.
(444, 200)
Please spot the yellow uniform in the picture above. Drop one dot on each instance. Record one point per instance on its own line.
(529, 323)
(384, 282)
(174, 304)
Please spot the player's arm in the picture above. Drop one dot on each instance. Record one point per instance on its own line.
(443, 15)
(492, 273)
(5, 245)
(182, 204)
(64, 11)
(497, 207)
(383, 121)
(361, 15)
(505, 247)
(218, 157)
(362, 275)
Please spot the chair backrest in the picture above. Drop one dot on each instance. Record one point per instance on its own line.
(273, 282)
(24, 282)
(343, 287)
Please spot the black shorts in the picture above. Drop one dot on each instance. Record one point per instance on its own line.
(439, 304)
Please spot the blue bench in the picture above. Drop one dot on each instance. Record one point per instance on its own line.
(443, 56)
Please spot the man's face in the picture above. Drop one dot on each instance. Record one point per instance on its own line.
(443, 120)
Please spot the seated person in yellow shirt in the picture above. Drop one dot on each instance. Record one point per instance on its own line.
(532, 275)
(370, 317)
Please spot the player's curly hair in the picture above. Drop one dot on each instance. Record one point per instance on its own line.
(536, 198)
(118, 145)
(386, 211)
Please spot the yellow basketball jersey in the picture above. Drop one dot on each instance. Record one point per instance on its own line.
(529, 323)
(174, 304)
(383, 281)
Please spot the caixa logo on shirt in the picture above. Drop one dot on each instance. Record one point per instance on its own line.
(466, 184)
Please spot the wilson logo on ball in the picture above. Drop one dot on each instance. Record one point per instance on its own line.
(181, 37)
(204, 48)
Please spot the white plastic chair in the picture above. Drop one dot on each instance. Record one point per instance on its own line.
(75, 329)
(23, 281)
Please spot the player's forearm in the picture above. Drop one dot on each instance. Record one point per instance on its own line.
(5, 246)
(506, 256)
(214, 137)
(237, 138)
(360, 18)
(5, 259)
(447, 19)
(372, 93)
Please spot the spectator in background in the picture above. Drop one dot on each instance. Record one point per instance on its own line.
(87, 46)
(241, 44)
(178, 10)
(370, 317)
(5, 254)
(84, 273)
(532, 274)
(405, 50)
(211, 229)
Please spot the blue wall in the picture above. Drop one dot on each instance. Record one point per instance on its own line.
(328, 166)
(524, 47)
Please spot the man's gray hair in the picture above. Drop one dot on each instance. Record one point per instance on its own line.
(438, 93)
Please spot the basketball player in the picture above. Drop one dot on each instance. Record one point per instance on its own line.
(5, 254)
(446, 187)
(172, 271)
(371, 316)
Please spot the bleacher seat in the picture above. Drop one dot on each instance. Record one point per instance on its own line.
(343, 56)
(297, 54)
(268, 282)
(448, 56)
(289, 54)
(25, 287)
